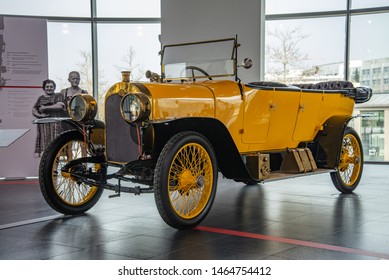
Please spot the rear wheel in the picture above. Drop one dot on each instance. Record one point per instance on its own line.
(350, 167)
(185, 180)
(62, 192)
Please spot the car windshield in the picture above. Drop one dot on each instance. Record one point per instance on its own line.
(199, 60)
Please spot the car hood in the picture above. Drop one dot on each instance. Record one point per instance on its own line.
(171, 101)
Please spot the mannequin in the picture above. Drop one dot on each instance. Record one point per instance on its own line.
(74, 80)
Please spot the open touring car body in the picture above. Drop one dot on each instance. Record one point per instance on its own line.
(173, 135)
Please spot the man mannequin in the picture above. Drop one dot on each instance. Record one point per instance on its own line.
(74, 80)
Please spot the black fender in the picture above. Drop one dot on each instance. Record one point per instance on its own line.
(328, 142)
(96, 130)
(229, 160)
(97, 127)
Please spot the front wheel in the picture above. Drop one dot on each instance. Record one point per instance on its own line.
(350, 167)
(63, 192)
(185, 180)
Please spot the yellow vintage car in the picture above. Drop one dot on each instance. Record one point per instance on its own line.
(172, 136)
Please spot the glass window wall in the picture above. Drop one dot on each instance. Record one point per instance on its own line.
(360, 4)
(331, 41)
(303, 6)
(69, 48)
(127, 38)
(305, 50)
(131, 46)
(373, 136)
(129, 8)
(73, 8)
(369, 56)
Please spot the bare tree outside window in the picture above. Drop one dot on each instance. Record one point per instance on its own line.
(85, 70)
(129, 64)
(284, 50)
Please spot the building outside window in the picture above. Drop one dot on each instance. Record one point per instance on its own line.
(372, 135)
(366, 72)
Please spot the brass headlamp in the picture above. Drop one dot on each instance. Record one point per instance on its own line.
(135, 107)
(82, 107)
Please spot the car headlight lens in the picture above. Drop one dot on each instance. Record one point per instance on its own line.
(135, 107)
(82, 107)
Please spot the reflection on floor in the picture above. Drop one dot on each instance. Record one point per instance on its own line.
(303, 218)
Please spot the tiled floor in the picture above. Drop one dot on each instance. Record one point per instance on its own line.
(303, 218)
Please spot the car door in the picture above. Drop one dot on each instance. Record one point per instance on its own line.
(270, 118)
(307, 123)
(257, 116)
(284, 109)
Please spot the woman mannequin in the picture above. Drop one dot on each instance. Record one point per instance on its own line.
(50, 104)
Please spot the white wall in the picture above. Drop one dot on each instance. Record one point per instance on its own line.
(199, 20)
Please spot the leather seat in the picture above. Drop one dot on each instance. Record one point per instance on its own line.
(331, 85)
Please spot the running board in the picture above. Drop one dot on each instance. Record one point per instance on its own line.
(278, 175)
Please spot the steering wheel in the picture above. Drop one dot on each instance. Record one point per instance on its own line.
(193, 68)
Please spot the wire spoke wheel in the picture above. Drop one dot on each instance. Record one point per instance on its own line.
(350, 160)
(67, 188)
(350, 167)
(190, 180)
(185, 180)
(63, 192)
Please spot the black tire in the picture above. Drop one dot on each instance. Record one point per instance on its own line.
(185, 180)
(250, 183)
(349, 171)
(247, 182)
(63, 193)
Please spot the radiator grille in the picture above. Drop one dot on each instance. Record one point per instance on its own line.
(121, 145)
